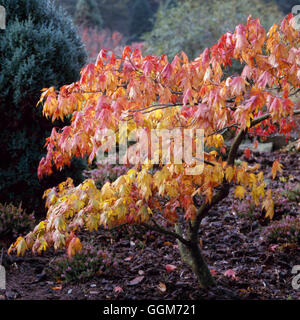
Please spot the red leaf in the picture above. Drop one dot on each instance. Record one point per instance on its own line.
(247, 153)
(148, 67)
(126, 52)
(118, 289)
(167, 70)
(205, 58)
(170, 267)
(255, 144)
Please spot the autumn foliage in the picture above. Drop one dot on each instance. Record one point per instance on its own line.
(152, 93)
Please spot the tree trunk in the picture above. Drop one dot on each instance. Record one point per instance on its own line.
(192, 256)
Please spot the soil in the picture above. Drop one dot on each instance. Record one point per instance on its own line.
(244, 265)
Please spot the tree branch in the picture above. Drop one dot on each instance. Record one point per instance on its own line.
(224, 189)
(160, 229)
(256, 121)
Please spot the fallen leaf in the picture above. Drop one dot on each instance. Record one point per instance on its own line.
(128, 258)
(118, 289)
(230, 274)
(168, 243)
(162, 287)
(274, 247)
(57, 288)
(170, 267)
(212, 272)
(136, 280)
(243, 291)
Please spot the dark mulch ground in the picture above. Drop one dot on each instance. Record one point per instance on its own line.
(228, 242)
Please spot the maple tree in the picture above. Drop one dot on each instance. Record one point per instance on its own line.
(152, 93)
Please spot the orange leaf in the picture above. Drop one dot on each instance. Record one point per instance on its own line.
(74, 246)
(277, 166)
(162, 287)
(57, 288)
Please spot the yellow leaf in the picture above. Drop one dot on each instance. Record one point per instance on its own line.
(239, 192)
(107, 192)
(229, 173)
(252, 178)
(260, 176)
(93, 222)
(43, 245)
(268, 205)
(21, 246)
(59, 223)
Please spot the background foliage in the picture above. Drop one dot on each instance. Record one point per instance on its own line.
(40, 47)
(88, 14)
(193, 25)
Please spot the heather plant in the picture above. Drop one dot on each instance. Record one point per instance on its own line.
(90, 261)
(284, 231)
(286, 200)
(14, 221)
(246, 209)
